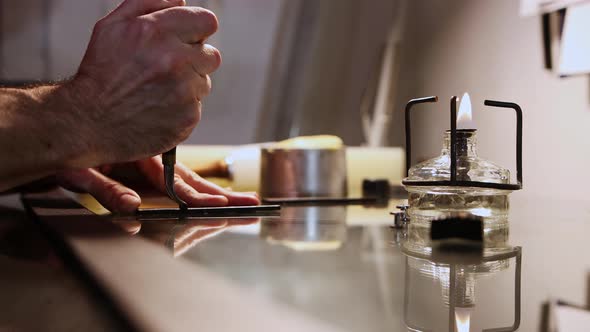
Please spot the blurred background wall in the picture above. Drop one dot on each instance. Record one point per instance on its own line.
(301, 67)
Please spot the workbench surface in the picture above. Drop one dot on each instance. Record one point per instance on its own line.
(325, 267)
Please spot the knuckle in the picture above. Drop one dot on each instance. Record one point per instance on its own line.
(178, 179)
(208, 85)
(203, 86)
(193, 116)
(215, 56)
(190, 120)
(112, 194)
(171, 64)
(194, 177)
(179, 184)
(207, 19)
(183, 94)
(207, 60)
(111, 187)
(183, 135)
(212, 21)
(164, 63)
(100, 24)
(147, 28)
(185, 120)
(196, 114)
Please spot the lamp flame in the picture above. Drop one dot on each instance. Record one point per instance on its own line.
(464, 118)
(462, 318)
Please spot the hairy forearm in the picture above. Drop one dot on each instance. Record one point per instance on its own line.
(37, 134)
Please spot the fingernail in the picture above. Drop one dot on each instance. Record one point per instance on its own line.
(252, 194)
(129, 203)
(222, 197)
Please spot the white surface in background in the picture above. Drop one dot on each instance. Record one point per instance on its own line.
(537, 7)
(575, 45)
(570, 319)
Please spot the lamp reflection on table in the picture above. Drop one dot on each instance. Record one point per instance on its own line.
(307, 228)
(182, 235)
(457, 269)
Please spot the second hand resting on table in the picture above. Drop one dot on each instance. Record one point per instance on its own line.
(115, 196)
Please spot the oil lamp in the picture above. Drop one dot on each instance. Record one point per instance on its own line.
(459, 180)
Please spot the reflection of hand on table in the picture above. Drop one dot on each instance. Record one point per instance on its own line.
(117, 197)
(192, 233)
(181, 236)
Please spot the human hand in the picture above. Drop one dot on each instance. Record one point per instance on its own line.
(116, 197)
(137, 92)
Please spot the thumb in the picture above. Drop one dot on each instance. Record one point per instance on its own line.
(134, 8)
(108, 192)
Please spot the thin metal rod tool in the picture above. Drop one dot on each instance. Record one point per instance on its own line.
(454, 139)
(169, 160)
(409, 105)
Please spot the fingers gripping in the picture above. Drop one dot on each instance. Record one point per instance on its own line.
(152, 168)
(190, 24)
(134, 8)
(205, 58)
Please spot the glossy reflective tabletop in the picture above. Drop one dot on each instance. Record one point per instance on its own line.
(343, 265)
(38, 291)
